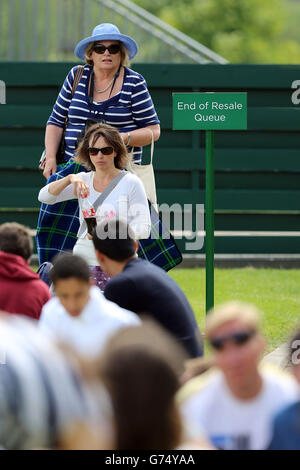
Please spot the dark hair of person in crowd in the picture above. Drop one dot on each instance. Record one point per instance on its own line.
(67, 265)
(113, 139)
(114, 239)
(141, 368)
(16, 240)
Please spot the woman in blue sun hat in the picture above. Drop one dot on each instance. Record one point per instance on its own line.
(107, 91)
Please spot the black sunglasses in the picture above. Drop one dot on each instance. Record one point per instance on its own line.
(238, 338)
(104, 150)
(112, 49)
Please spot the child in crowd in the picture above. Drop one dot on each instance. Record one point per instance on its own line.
(79, 315)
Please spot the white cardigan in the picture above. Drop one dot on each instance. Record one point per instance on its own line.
(129, 193)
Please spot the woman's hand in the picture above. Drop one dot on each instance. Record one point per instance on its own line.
(50, 167)
(141, 137)
(81, 189)
(124, 136)
(53, 137)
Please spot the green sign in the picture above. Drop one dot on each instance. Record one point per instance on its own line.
(209, 111)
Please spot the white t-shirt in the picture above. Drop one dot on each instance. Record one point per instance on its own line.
(88, 333)
(127, 200)
(230, 423)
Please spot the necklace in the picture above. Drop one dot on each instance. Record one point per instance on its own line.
(106, 88)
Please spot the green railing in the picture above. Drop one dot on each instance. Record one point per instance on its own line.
(48, 30)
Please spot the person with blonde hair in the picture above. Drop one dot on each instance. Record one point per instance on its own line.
(103, 152)
(108, 92)
(104, 90)
(234, 403)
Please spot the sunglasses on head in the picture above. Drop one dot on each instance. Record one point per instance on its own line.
(112, 49)
(239, 338)
(104, 150)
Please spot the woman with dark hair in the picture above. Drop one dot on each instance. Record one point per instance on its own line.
(141, 369)
(103, 153)
(105, 90)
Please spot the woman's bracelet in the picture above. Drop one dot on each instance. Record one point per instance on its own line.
(128, 139)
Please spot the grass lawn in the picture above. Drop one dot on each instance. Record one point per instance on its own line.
(275, 291)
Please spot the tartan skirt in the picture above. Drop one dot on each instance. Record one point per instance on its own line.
(58, 224)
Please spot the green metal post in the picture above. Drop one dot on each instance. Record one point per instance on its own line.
(209, 220)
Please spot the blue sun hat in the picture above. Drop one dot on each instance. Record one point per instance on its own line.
(103, 32)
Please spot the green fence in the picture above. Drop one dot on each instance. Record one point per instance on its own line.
(257, 171)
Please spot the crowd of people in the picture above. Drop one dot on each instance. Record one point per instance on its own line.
(123, 368)
(101, 349)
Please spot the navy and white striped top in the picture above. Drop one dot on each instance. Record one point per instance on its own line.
(132, 108)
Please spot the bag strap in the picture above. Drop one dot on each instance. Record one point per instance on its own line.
(152, 147)
(77, 78)
(100, 199)
(151, 153)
